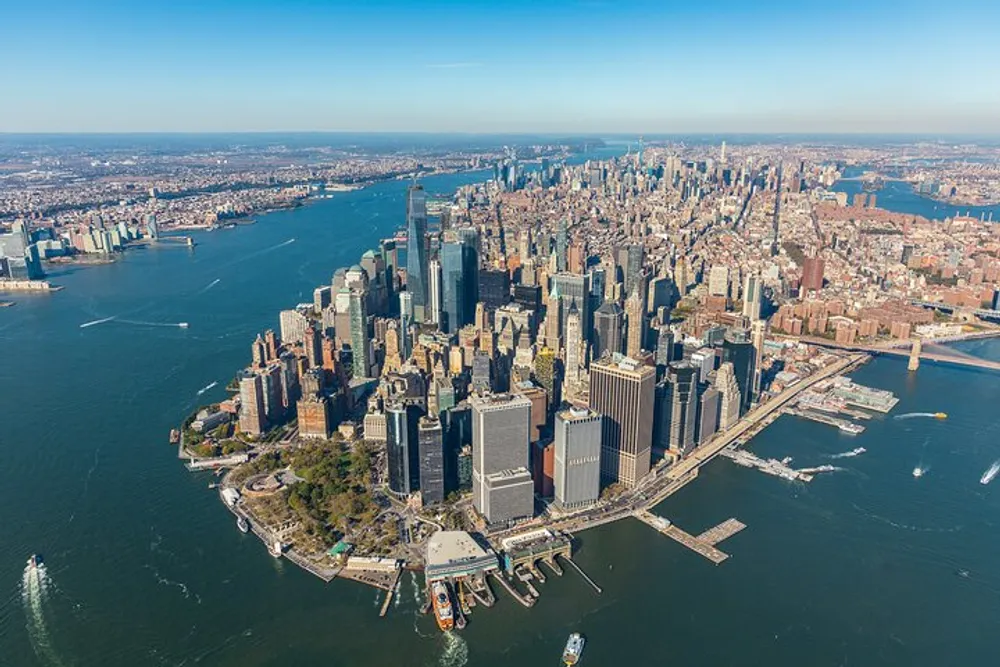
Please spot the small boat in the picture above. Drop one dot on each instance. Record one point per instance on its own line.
(574, 649)
(175, 436)
(940, 415)
(442, 606)
(35, 561)
(182, 325)
(276, 548)
(243, 525)
(918, 472)
(990, 473)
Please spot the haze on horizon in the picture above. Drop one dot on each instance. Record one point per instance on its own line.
(557, 67)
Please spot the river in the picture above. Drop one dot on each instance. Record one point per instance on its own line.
(868, 566)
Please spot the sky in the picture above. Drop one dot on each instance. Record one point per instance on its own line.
(546, 66)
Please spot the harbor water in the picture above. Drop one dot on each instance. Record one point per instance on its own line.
(144, 566)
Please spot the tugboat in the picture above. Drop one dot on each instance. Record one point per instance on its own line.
(243, 525)
(574, 649)
(442, 606)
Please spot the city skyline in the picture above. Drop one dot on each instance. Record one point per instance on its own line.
(583, 67)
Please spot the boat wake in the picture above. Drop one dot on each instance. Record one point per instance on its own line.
(990, 473)
(35, 587)
(456, 651)
(415, 588)
(846, 455)
(163, 581)
(209, 286)
(917, 415)
(94, 323)
(206, 388)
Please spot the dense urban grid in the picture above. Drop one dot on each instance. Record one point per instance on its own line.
(557, 347)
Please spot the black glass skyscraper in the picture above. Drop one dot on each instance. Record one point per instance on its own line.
(416, 249)
(402, 447)
(738, 349)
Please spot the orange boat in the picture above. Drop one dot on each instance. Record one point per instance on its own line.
(442, 606)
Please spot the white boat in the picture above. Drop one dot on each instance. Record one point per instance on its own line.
(182, 325)
(918, 472)
(574, 649)
(243, 525)
(276, 548)
(990, 474)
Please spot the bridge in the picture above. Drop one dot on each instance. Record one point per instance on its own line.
(929, 349)
(981, 313)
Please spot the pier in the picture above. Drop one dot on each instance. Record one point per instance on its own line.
(770, 466)
(844, 425)
(527, 602)
(583, 574)
(388, 595)
(704, 544)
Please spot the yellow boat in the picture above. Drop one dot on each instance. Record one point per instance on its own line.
(940, 415)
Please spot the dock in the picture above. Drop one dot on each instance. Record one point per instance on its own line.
(527, 602)
(704, 544)
(845, 425)
(584, 575)
(388, 596)
(770, 466)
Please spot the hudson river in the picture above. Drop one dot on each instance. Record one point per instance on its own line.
(866, 566)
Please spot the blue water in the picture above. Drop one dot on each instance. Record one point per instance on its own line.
(900, 197)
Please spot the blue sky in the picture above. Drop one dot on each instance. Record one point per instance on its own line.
(545, 66)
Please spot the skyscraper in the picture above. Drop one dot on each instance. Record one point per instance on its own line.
(417, 249)
(252, 405)
(562, 244)
(573, 289)
(574, 348)
(623, 392)
(402, 447)
(677, 408)
(577, 470)
(633, 266)
(360, 344)
(738, 349)
(752, 297)
(405, 319)
(757, 335)
(494, 288)
(812, 274)
(636, 324)
(431, 446)
(500, 435)
(459, 280)
(433, 314)
(730, 399)
(609, 322)
(708, 413)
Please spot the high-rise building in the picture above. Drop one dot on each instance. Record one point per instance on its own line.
(562, 243)
(708, 413)
(500, 435)
(574, 348)
(609, 323)
(752, 297)
(434, 292)
(312, 342)
(577, 469)
(417, 249)
(758, 332)
(402, 447)
(360, 344)
(293, 326)
(524, 245)
(730, 399)
(314, 416)
(661, 294)
(623, 391)
(633, 266)
(718, 281)
(252, 405)
(573, 289)
(494, 288)
(431, 447)
(677, 409)
(738, 349)
(636, 315)
(812, 274)
(405, 320)
(459, 279)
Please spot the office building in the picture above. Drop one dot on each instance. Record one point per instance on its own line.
(623, 391)
(571, 289)
(738, 350)
(637, 326)
(500, 435)
(718, 281)
(609, 323)
(812, 274)
(752, 297)
(709, 400)
(730, 398)
(360, 342)
(314, 416)
(417, 250)
(459, 279)
(494, 288)
(252, 420)
(507, 496)
(575, 355)
(430, 437)
(433, 292)
(402, 447)
(577, 463)
(293, 326)
(677, 409)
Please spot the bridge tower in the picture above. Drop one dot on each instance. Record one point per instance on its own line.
(914, 362)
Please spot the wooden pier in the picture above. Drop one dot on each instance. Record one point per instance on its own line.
(527, 602)
(703, 544)
(583, 574)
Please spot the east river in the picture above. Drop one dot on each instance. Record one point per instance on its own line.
(866, 566)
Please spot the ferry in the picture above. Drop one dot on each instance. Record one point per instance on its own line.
(442, 606)
(574, 649)
(243, 525)
(918, 472)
